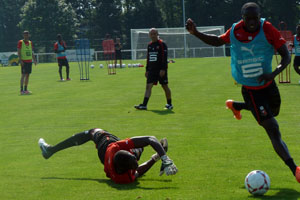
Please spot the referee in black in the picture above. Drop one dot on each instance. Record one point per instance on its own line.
(156, 69)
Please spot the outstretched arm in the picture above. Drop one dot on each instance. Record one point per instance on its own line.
(207, 38)
(285, 61)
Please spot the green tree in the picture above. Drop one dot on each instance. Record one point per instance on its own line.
(45, 19)
(9, 18)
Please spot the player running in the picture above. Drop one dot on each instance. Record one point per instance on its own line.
(296, 45)
(156, 69)
(253, 40)
(60, 50)
(25, 53)
(119, 157)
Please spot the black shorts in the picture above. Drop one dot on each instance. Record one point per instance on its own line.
(264, 103)
(154, 77)
(27, 68)
(63, 62)
(118, 55)
(102, 140)
(297, 64)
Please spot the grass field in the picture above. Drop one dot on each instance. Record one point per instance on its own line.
(213, 151)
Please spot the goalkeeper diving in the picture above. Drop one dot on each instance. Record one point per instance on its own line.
(119, 157)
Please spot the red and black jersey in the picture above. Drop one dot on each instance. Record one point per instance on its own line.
(157, 56)
(109, 169)
(272, 34)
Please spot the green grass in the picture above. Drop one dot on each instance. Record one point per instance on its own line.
(213, 151)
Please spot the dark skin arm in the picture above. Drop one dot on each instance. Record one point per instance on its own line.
(285, 61)
(143, 168)
(142, 141)
(207, 38)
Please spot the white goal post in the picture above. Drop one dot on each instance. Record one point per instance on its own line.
(174, 38)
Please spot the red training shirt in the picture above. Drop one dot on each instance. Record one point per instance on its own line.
(109, 169)
(56, 47)
(272, 34)
(20, 46)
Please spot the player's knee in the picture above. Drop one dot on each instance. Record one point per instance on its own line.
(152, 140)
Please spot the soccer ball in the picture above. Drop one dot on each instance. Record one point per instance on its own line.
(123, 65)
(92, 66)
(129, 65)
(257, 182)
(101, 66)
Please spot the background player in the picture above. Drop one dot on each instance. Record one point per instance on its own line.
(118, 156)
(156, 69)
(118, 52)
(25, 53)
(296, 45)
(60, 50)
(252, 46)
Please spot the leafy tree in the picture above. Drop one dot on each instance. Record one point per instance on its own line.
(9, 17)
(45, 19)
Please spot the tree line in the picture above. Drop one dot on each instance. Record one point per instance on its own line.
(93, 19)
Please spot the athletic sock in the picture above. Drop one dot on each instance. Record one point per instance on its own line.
(22, 89)
(145, 102)
(77, 139)
(25, 88)
(239, 105)
(169, 101)
(291, 164)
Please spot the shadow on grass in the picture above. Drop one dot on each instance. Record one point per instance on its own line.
(134, 185)
(162, 112)
(283, 193)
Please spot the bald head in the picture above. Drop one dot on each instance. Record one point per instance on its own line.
(153, 34)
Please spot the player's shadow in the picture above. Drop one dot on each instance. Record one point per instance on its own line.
(163, 112)
(134, 185)
(283, 193)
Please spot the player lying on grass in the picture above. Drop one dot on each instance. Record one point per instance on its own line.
(252, 42)
(119, 157)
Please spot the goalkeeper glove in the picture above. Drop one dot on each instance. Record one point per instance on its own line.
(167, 166)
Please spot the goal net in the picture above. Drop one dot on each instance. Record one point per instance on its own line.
(180, 42)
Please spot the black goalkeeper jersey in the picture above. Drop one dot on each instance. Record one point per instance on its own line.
(157, 56)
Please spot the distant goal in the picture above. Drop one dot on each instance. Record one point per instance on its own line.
(180, 43)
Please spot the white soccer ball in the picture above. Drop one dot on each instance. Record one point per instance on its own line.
(92, 66)
(118, 65)
(123, 65)
(110, 66)
(257, 182)
(129, 65)
(101, 66)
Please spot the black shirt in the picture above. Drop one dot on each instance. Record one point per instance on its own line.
(157, 56)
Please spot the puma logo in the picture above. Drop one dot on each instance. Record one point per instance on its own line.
(249, 50)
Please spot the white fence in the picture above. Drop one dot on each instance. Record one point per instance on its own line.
(173, 53)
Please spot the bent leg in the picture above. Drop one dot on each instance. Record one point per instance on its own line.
(272, 128)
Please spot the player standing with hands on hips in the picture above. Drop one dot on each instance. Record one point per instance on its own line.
(156, 69)
(25, 53)
(119, 157)
(253, 40)
(60, 50)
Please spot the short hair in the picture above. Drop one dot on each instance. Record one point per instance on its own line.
(123, 161)
(58, 36)
(153, 29)
(25, 32)
(250, 5)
